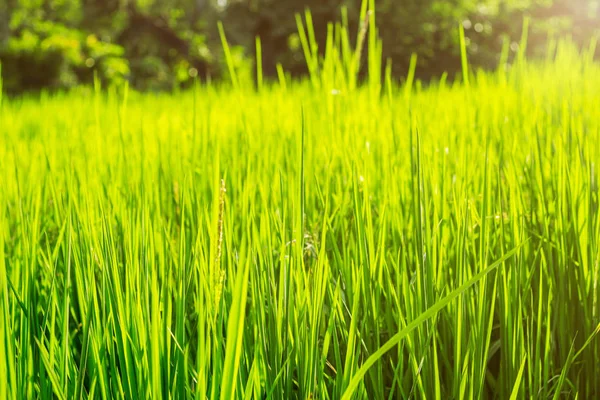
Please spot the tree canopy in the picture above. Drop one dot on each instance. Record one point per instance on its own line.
(164, 44)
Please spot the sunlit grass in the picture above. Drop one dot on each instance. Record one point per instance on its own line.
(318, 239)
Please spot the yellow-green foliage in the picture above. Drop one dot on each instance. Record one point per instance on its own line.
(367, 241)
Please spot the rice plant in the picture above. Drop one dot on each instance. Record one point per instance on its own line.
(322, 238)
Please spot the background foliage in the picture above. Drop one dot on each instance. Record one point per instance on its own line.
(159, 45)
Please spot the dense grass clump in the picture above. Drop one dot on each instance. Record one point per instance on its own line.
(315, 239)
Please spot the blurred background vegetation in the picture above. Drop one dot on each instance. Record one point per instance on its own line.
(164, 44)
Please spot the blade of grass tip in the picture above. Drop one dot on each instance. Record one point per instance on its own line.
(588, 341)
(429, 313)
(281, 76)
(388, 81)
(411, 76)
(235, 335)
(228, 58)
(97, 93)
(515, 392)
(363, 13)
(524, 39)
(360, 40)
(345, 48)
(374, 56)
(463, 55)
(259, 63)
(311, 61)
(310, 29)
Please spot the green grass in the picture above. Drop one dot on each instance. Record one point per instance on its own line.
(312, 239)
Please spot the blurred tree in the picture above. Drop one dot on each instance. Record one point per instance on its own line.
(43, 47)
(156, 44)
(161, 44)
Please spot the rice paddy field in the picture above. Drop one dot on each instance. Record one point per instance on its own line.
(306, 239)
